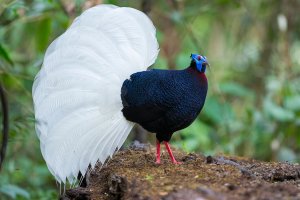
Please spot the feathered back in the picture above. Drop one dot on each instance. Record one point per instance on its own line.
(77, 91)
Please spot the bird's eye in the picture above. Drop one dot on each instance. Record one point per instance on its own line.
(199, 57)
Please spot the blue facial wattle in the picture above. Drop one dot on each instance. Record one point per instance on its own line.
(199, 60)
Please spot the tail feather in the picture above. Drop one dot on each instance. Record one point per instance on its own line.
(77, 91)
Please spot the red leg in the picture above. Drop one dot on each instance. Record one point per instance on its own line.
(170, 153)
(157, 152)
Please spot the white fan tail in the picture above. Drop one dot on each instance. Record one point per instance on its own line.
(77, 93)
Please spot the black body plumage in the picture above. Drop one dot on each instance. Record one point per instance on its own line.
(164, 101)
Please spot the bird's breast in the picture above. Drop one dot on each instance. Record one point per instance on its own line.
(163, 100)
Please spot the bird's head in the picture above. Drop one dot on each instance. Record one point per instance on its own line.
(199, 62)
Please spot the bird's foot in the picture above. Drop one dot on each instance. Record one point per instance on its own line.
(174, 161)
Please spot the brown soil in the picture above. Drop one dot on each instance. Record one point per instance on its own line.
(132, 174)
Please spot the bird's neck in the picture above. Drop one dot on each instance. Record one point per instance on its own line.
(200, 75)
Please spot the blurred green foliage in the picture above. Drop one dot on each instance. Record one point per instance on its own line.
(253, 104)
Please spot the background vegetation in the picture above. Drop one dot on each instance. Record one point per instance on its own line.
(253, 104)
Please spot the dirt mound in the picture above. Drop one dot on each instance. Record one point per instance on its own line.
(133, 174)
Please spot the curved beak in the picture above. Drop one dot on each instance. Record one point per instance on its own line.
(207, 64)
